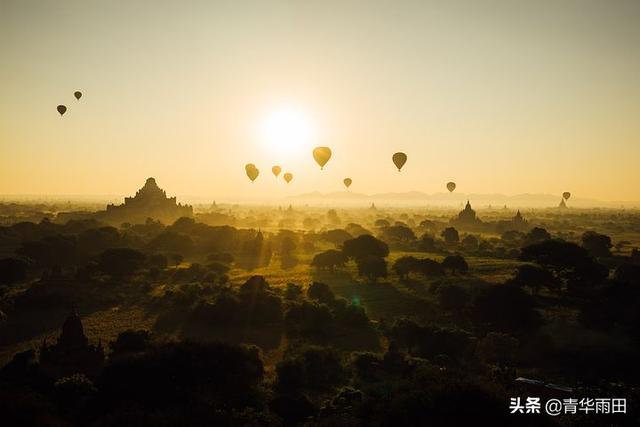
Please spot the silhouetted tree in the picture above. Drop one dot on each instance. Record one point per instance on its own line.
(52, 251)
(365, 246)
(381, 223)
(13, 270)
(453, 298)
(506, 308)
(427, 243)
(315, 369)
(159, 261)
(470, 242)
(120, 262)
(628, 273)
(431, 268)
(405, 265)
(450, 236)
(320, 292)
(330, 259)
(397, 233)
(455, 264)
(372, 267)
(535, 277)
(337, 236)
(498, 348)
(536, 235)
(598, 245)
(171, 241)
(568, 261)
(129, 342)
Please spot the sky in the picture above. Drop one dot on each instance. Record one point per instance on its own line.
(499, 96)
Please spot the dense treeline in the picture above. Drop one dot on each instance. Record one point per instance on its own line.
(399, 325)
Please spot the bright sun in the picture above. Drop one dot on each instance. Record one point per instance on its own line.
(287, 131)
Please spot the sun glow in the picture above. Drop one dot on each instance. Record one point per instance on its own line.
(287, 131)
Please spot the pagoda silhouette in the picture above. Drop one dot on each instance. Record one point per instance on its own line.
(149, 202)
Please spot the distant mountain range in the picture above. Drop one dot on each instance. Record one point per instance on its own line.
(454, 199)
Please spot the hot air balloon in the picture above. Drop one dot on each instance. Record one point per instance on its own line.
(61, 109)
(288, 177)
(276, 170)
(399, 159)
(347, 182)
(322, 155)
(77, 94)
(566, 195)
(252, 171)
(451, 186)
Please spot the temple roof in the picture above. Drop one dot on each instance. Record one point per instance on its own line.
(72, 330)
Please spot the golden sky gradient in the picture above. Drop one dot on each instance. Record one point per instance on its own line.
(500, 96)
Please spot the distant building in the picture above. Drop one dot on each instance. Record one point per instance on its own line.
(518, 222)
(73, 353)
(562, 205)
(149, 202)
(466, 218)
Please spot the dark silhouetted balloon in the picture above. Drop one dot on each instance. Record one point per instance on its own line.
(252, 171)
(399, 159)
(288, 177)
(451, 186)
(347, 182)
(276, 170)
(61, 109)
(322, 155)
(566, 195)
(77, 94)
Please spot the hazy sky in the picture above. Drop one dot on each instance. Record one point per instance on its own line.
(499, 96)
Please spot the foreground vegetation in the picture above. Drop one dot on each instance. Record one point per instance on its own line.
(292, 317)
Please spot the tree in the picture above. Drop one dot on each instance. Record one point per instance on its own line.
(556, 254)
(470, 242)
(159, 261)
(120, 262)
(512, 237)
(372, 267)
(568, 261)
(320, 292)
(356, 229)
(128, 342)
(628, 273)
(598, 245)
(498, 348)
(450, 236)
(180, 373)
(287, 255)
(453, 298)
(381, 223)
(365, 246)
(171, 241)
(332, 217)
(534, 277)
(455, 263)
(405, 265)
(95, 240)
(506, 308)
(536, 235)
(337, 236)
(397, 233)
(431, 268)
(13, 270)
(52, 251)
(330, 260)
(427, 243)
